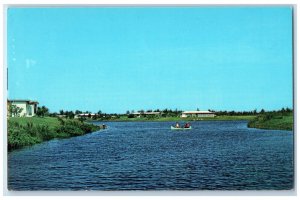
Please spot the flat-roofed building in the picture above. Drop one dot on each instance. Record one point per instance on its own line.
(139, 114)
(85, 115)
(198, 114)
(27, 108)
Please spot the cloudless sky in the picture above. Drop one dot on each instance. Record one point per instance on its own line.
(130, 58)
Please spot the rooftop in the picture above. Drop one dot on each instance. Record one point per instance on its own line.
(86, 114)
(22, 100)
(198, 112)
(146, 113)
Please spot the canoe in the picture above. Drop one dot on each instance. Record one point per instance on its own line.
(173, 128)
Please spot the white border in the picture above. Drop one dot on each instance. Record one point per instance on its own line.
(179, 194)
(4, 102)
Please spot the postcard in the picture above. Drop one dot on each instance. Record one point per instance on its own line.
(150, 98)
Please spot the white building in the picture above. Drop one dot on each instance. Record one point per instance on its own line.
(197, 114)
(28, 108)
(139, 114)
(85, 115)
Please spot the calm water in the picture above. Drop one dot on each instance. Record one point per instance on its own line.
(149, 156)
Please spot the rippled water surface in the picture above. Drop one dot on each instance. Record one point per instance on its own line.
(149, 156)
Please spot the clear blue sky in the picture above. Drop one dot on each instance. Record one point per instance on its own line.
(118, 59)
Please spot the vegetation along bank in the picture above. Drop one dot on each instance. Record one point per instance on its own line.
(276, 120)
(25, 131)
(178, 118)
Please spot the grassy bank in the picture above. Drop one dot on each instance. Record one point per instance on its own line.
(24, 131)
(276, 121)
(162, 119)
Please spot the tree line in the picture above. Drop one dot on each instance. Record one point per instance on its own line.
(253, 112)
(164, 112)
(44, 111)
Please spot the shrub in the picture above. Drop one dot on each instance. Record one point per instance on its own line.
(19, 137)
(44, 132)
(273, 120)
(61, 121)
(88, 128)
(131, 116)
(32, 133)
(70, 130)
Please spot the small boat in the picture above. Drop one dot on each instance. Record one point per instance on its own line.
(174, 128)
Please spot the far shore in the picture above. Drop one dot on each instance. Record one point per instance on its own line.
(273, 121)
(174, 119)
(23, 131)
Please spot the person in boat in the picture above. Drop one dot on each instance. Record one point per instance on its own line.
(187, 125)
(177, 125)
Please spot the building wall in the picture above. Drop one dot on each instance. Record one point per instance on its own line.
(28, 109)
(21, 105)
(184, 115)
(206, 115)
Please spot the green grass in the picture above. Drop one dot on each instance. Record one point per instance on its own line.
(234, 117)
(276, 121)
(52, 122)
(24, 131)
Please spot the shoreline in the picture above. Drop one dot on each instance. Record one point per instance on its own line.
(273, 121)
(174, 119)
(91, 121)
(276, 122)
(22, 132)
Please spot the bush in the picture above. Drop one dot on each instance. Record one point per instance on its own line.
(44, 132)
(273, 120)
(32, 133)
(88, 128)
(69, 130)
(131, 116)
(61, 121)
(19, 137)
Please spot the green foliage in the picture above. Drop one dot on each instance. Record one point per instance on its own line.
(281, 120)
(19, 137)
(151, 117)
(44, 132)
(61, 121)
(178, 118)
(70, 114)
(69, 130)
(28, 131)
(78, 112)
(14, 111)
(42, 111)
(88, 128)
(75, 128)
(81, 119)
(131, 116)
(50, 121)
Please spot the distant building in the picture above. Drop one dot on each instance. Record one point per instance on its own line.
(139, 114)
(85, 115)
(28, 108)
(197, 114)
(151, 113)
